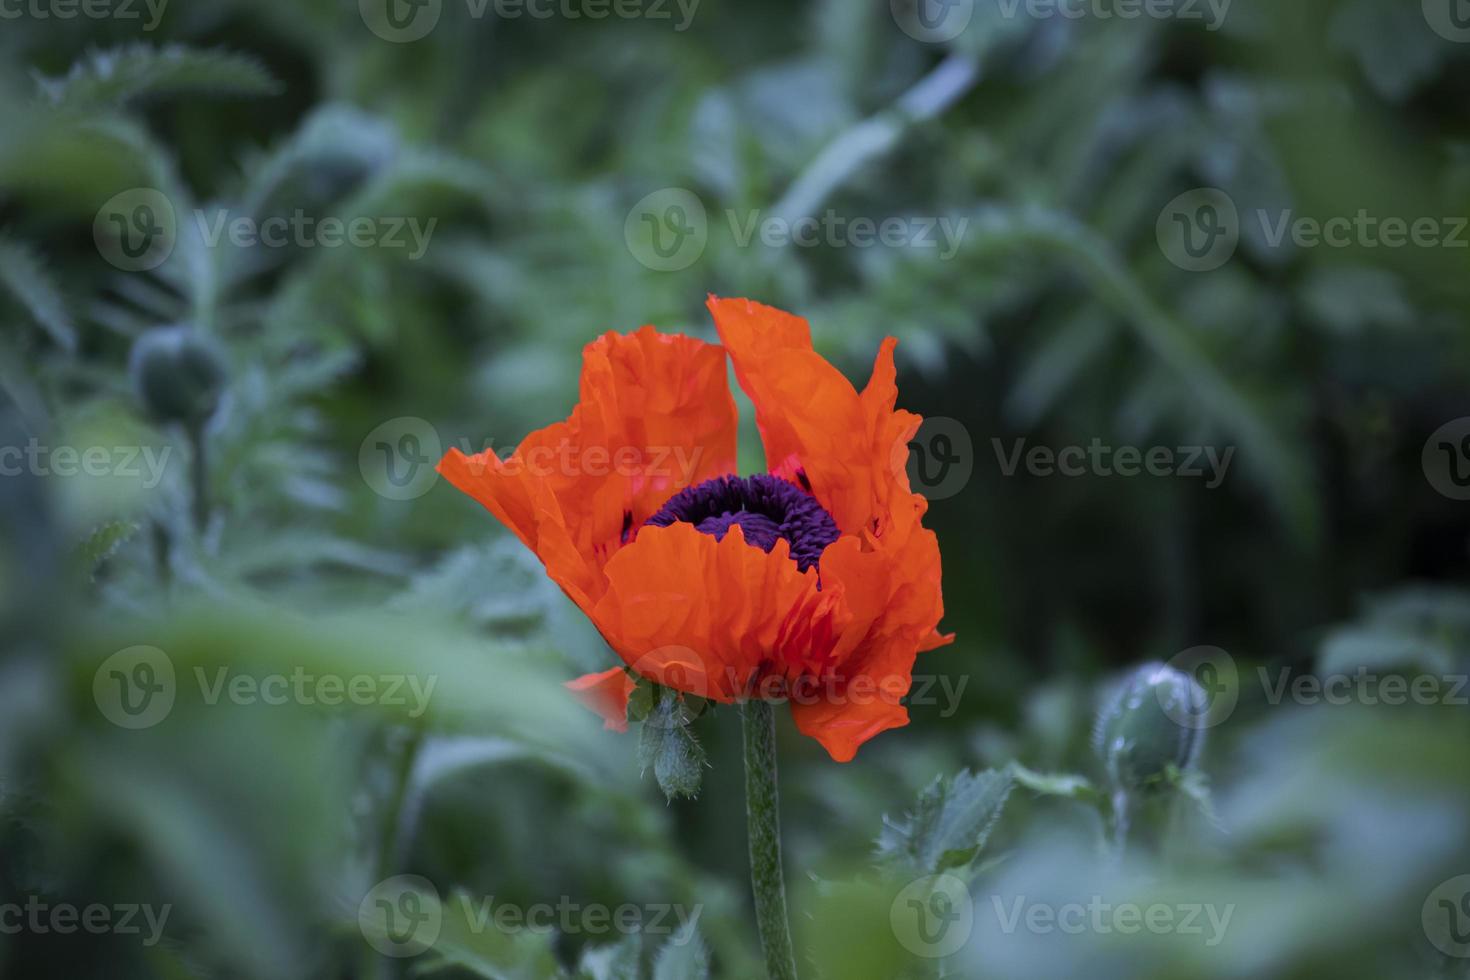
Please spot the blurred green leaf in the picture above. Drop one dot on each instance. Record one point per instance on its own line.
(24, 275)
(467, 941)
(117, 75)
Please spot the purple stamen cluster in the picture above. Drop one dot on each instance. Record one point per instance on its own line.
(766, 507)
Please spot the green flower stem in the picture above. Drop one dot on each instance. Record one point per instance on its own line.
(763, 824)
(198, 476)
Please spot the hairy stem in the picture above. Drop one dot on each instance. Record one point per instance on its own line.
(763, 824)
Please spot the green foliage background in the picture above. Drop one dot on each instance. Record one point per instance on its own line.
(1060, 320)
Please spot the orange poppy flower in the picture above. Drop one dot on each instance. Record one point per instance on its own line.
(815, 583)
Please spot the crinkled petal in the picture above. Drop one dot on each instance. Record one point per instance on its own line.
(708, 616)
(607, 694)
(849, 449)
(891, 586)
(841, 726)
(655, 416)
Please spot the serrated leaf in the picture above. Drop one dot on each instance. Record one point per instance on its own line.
(949, 824)
(683, 957)
(113, 76)
(24, 275)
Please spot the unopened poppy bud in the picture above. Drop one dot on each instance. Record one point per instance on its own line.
(179, 377)
(1143, 733)
(669, 747)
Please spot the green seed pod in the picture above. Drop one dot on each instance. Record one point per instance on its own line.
(179, 377)
(1146, 731)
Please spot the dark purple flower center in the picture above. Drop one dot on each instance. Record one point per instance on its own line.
(766, 507)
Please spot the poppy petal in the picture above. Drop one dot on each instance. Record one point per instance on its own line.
(707, 616)
(842, 728)
(607, 694)
(655, 416)
(892, 588)
(849, 449)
